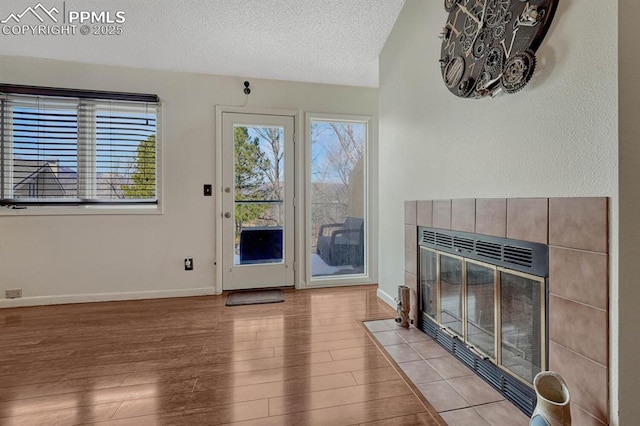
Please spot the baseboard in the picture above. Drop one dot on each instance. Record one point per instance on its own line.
(104, 297)
(386, 298)
(134, 295)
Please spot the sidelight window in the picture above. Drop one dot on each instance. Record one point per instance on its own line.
(338, 201)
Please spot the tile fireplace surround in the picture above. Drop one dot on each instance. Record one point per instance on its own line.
(576, 230)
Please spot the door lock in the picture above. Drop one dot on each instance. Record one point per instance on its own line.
(227, 190)
(227, 215)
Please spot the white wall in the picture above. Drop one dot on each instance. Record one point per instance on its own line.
(100, 257)
(557, 137)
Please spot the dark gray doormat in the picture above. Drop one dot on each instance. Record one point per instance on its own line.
(255, 297)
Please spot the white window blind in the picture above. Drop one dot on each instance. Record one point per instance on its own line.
(62, 147)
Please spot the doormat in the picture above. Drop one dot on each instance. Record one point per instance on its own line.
(255, 297)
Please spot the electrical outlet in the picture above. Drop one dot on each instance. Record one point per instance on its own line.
(188, 264)
(13, 294)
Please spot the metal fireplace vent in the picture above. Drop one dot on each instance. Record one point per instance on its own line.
(516, 392)
(523, 256)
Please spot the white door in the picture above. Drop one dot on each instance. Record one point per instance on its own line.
(257, 201)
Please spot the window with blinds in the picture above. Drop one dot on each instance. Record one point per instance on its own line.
(65, 146)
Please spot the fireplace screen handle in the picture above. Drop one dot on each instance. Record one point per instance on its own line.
(477, 353)
(448, 333)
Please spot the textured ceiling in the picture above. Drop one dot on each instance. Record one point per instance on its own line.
(324, 41)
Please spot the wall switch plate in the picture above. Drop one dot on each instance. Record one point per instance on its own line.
(188, 264)
(208, 190)
(13, 294)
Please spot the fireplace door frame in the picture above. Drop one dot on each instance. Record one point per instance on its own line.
(497, 313)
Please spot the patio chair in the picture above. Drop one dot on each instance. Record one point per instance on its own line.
(342, 243)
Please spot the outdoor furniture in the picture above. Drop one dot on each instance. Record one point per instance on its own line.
(261, 245)
(342, 243)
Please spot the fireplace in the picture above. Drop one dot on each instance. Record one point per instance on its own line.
(576, 232)
(485, 300)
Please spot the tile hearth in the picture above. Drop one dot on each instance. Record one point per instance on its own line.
(456, 393)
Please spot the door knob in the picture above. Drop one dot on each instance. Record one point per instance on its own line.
(227, 215)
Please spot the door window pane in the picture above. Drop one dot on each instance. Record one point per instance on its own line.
(338, 202)
(259, 192)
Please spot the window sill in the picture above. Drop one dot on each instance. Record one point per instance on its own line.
(82, 210)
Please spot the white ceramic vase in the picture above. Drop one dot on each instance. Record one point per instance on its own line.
(552, 407)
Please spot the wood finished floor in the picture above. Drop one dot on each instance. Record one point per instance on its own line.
(193, 361)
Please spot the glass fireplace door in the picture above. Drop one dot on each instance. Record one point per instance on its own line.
(499, 313)
(484, 300)
(522, 331)
(429, 283)
(481, 288)
(451, 293)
